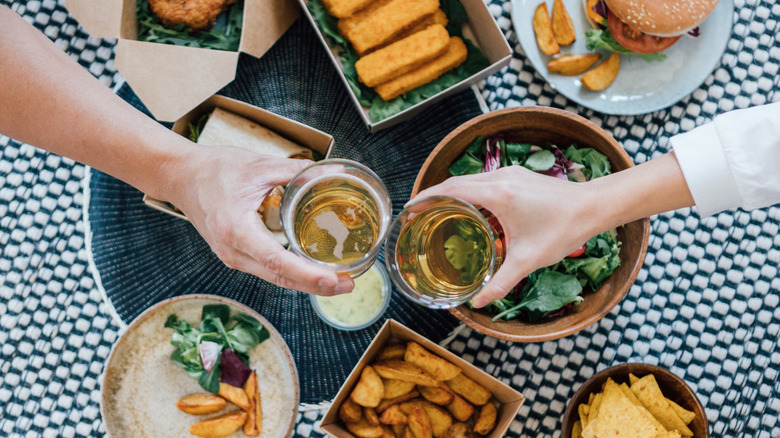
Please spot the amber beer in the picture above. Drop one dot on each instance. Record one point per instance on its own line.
(440, 251)
(336, 212)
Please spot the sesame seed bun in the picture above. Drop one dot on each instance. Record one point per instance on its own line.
(664, 18)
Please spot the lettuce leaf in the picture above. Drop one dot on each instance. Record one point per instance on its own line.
(603, 39)
(224, 35)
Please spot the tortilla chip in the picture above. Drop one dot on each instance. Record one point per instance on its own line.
(628, 393)
(647, 391)
(617, 416)
(583, 411)
(594, 407)
(686, 415)
(673, 434)
(576, 430)
(632, 378)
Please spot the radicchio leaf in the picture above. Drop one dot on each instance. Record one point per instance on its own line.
(234, 370)
(492, 154)
(209, 352)
(695, 32)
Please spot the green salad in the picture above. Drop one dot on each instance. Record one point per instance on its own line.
(380, 109)
(552, 290)
(224, 35)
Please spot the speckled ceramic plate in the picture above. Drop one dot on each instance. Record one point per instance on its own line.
(141, 385)
(640, 87)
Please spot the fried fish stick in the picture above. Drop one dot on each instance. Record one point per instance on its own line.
(402, 56)
(453, 57)
(345, 8)
(346, 24)
(438, 17)
(387, 22)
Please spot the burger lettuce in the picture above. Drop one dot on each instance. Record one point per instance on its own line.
(603, 39)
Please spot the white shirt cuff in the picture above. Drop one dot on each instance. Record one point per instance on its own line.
(706, 170)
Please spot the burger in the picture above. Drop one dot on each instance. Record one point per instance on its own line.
(643, 27)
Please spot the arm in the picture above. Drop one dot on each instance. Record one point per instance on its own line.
(732, 162)
(49, 101)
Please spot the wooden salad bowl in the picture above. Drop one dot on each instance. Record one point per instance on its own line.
(673, 387)
(541, 125)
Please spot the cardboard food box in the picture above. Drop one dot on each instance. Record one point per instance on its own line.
(304, 135)
(171, 79)
(510, 400)
(481, 29)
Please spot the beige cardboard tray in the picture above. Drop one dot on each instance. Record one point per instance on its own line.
(304, 135)
(392, 330)
(480, 28)
(169, 79)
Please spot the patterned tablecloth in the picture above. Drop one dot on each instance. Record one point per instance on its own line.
(705, 304)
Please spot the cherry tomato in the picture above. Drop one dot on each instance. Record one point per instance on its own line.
(637, 41)
(578, 252)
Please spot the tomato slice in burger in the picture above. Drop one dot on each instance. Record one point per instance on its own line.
(637, 41)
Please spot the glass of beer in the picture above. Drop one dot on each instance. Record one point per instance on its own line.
(336, 212)
(440, 251)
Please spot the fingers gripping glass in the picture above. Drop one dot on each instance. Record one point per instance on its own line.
(440, 251)
(336, 213)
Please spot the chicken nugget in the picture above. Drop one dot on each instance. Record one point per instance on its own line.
(402, 56)
(387, 22)
(452, 58)
(194, 14)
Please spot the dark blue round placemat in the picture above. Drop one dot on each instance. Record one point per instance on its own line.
(144, 256)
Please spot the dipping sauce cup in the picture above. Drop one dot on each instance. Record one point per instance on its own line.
(336, 213)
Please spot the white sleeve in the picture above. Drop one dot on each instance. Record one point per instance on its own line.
(733, 161)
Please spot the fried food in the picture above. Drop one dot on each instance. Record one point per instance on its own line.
(436, 395)
(369, 390)
(434, 365)
(200, 404)
(563, 28)
(193, 14)
(387, 22)
(572, 64)
(486, 419)
(400, 370)
(420, 423)
(459, 430)
(396, 388)
(350, 412)
(393, 415)
(469, 389)
(234, 395)
(438, 17)
(218, 427)
(345, 8)
(452, 58)
(371, 417)
(362, 429)
(649, 394)
(392, 352)
(386, 403)
(254, 420)
(545, 37)
(603, 74)
(402, 56)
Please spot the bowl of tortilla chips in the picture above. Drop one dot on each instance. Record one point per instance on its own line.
(635, 400)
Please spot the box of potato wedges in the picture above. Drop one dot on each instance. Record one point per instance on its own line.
(175, 57)
(405, 385)
(396, 57)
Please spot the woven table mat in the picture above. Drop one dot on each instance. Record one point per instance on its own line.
(705, 305)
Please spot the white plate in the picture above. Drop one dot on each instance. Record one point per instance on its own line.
(141, 385)
(640, 87)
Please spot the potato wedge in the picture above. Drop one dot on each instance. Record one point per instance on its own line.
(407, 433)
(398, 430)
(393, 415)
(371, 417)
(603, 74)
(486, 420)
(439, 368)
(573, 64)
(254, 420)
(369, 389)
(469, 389)
(400, 370)
(396, 388)
(200, 404)
(350, 412)
(440, 419)
(386, 403)
(436, 395)
(234, 395)
(420, 423)
(563, 27)
(392, 352)
(459, 430)
(459, 408)
(219, 427)
(544, 31)
(362, 429)
(387, 432)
